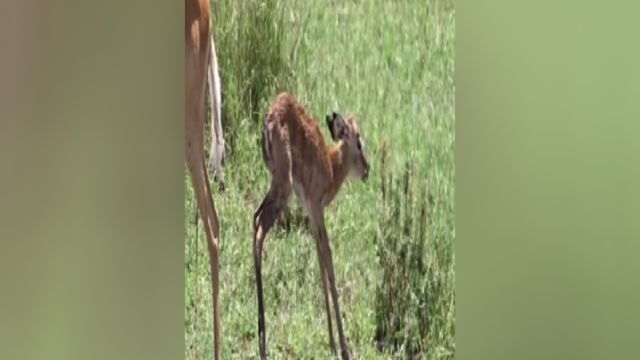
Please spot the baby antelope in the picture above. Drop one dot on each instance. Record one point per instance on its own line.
(297, 157)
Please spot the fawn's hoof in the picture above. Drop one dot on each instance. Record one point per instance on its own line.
(346, 354)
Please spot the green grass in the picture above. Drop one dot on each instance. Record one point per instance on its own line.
(391, 64)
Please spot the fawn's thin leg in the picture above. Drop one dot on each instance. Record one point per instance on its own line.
(325, 291)
(325, 251)
(269, 210)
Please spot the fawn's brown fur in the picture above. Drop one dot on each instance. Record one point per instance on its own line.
(298, 159)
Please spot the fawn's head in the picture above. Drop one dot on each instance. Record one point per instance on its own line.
(348, 133)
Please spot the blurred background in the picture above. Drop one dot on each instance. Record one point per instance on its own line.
(95, 258)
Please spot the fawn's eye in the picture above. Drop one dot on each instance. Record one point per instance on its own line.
(359, 144)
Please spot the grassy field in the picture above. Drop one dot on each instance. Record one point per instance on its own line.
(392, 64)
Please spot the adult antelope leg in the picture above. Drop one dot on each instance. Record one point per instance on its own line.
(216, 157)
(197, 33)
(209, 217)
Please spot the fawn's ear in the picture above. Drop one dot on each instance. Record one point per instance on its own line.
(337, 126)
(330, 126)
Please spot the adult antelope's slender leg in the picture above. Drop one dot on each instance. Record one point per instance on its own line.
(216, 156)
(322, 241)
(197, 28)
(269, 210)
(209, 217)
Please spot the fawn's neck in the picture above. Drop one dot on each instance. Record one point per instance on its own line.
(339, 169)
